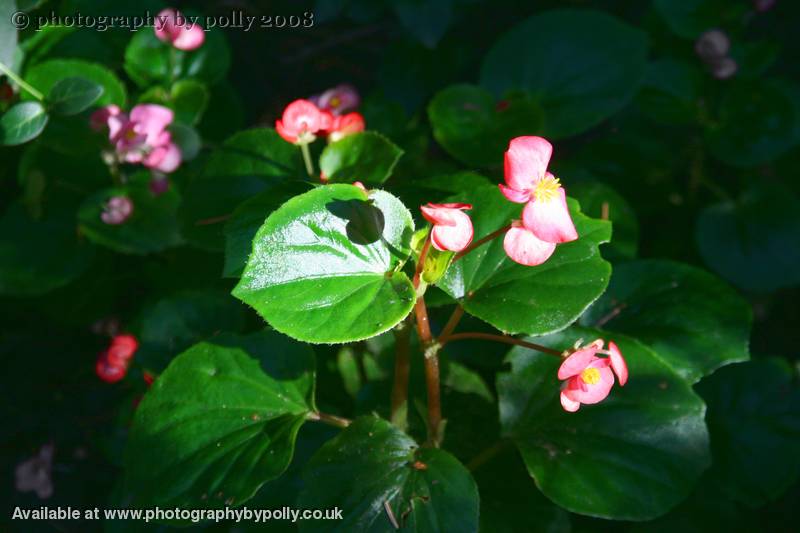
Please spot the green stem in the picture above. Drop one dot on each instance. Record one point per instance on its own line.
(22, 83)
(307, 159)
(402, 370)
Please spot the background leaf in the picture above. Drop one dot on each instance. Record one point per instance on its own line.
(44, 77)
(70, 96)
(22, 123)
(368, 157)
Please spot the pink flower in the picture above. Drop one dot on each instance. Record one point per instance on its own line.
(452, 229)
(545, 219)
(117, 210)
(589, 378)
(338, 100)
(34, 474)
(300, 121)
(345, 125)
(173, 27)
(112, 364)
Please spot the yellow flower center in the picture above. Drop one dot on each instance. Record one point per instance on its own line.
(546, 189)
(130, 135)
(335, 101)
(590, 376)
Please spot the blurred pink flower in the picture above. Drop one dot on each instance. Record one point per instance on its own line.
(34, 474)
(338, 100)
(117, 210)
(345, 125)
(764, 5)
(452, 229)
(300, 121)
(173, 27)
(589, 378)
(712, 45)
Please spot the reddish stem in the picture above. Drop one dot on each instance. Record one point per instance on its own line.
(500, 338)
(481, 242)
(452, 322)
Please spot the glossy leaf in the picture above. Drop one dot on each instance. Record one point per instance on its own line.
(70, 96)
(8, 33)
(754, 421)
(325, 265)
(44, 76)
(521, 299)
(219, 422)
(475, 129)
(152, 226)
(753, 242)
(368, 157)
(694, 321)
(22, 123)
(579, 66)
(371, 466)
(633, 456)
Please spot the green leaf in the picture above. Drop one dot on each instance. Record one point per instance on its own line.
(474, 129)
(345, 249)
(189, 99)
(694, 321)
(372, 466)
(521, 299)
(754, 421)
(70, 96)
(152, 227)
(246, 164)
(756, 123)
(368, 157)
(754, 242)
(690, 18)
(187, 139)
(671, 91)
(427, 20)
(216, 425)
(44, 76)
(40, 255)
(581, 67)
(247, 219)
(8, 33)
(22, 123)
(598, 200)
(631, 457)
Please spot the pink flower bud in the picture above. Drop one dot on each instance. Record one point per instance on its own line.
(452, 229)
(589, 378)
(300, 121)
(724, 68)
(117, 210)
(173, 27)
(345, 125)
(712, 45)
(159, 184)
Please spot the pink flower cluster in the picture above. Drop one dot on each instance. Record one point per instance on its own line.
(589, 378)
(112, 364)
(325, 114)
(545, 219)
(174, 28)
(140, 137)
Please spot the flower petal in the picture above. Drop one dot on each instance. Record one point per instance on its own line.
(189, 38)
(151, 120)
(523, 247)
(568, 403)
(526, 161)
(577, 362)
(597, 392)
(618, 363)
(518, 197)
(453, 238)
(550, 220)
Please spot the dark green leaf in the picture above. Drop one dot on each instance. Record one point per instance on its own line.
(216, 425)
(631, 457)
(598, 200)
(754, 242)
(690, 18)
(474, 129)
(426, 20)
(44, 76)
(345, 249)
(671, 91)
(189, 99)
(70, 96)
(152, 227)
(754, 421)
(187, 139)
(579, 66)
(521, 299)
(372, 466)
(22, 123)
(694, 321)
(368, 157)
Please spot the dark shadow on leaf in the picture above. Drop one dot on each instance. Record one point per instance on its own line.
(365, 222)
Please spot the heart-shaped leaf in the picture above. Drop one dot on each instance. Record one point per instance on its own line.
(694, 321)
(216, 425)
(522, 299)
(631, 457)
(70, 96)
(474, 129)
(368, 157)
(44, 76)
(22, 123)
(580, 66)
(383, 482)
(325, 265)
